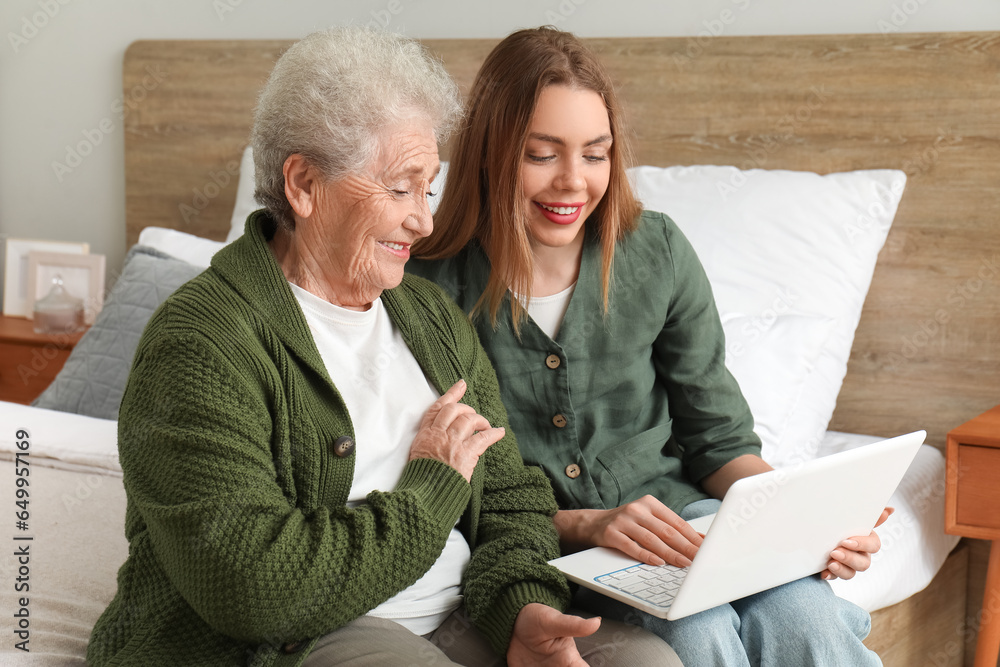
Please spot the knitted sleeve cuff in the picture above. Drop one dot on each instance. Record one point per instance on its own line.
(498, 622)
(438, 487)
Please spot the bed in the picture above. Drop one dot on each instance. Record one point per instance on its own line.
(873, 157)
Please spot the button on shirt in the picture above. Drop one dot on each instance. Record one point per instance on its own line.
(648, 403)
(343, 446)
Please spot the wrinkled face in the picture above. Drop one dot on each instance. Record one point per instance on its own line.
(566, 164)
(365, 223)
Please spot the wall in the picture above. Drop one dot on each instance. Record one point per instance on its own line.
(60, 71)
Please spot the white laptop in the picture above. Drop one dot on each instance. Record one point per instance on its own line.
(771, 529)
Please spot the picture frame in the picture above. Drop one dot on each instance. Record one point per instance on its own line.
(82, 276)
(15, 285)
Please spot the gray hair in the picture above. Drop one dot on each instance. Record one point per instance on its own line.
(329, 97)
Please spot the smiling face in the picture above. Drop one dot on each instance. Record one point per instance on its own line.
(357, 237)
(566, 164)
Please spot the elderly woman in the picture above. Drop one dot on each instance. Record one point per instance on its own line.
(314, 449)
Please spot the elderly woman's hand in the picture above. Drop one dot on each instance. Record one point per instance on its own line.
(544, 636)
(454, 433)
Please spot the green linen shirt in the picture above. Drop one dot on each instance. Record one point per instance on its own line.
(237, 466)
(619, 406)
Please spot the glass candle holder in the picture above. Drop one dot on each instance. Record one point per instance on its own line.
(58, 311)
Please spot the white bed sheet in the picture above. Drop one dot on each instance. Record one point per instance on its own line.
(78, 507)
(77, 525)
(61, 439)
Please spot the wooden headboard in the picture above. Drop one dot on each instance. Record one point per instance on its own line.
(927, 350)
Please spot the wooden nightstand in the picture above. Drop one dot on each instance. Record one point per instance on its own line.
(972, 509)
(29, 361)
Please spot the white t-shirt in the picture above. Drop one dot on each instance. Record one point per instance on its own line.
(548, 311)
(387, 394)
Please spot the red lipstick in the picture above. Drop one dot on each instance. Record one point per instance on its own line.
(558, 217)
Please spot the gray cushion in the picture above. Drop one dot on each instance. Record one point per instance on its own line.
(93, 379)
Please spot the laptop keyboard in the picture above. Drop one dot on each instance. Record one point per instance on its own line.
(655, 584)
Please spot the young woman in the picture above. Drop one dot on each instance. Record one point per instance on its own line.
(600, 323)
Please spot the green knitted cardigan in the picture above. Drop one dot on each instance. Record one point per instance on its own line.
(241, 548)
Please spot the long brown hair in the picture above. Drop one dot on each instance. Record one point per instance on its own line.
(483, 198)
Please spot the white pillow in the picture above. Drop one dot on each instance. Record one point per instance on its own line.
(246, 204)
(784, 243)
(771, 357)
(187, 247)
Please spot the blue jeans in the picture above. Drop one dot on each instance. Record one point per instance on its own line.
(802, 623)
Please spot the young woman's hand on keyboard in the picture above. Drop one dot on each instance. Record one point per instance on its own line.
(644, 529)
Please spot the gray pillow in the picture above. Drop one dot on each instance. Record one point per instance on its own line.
(93, 379)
